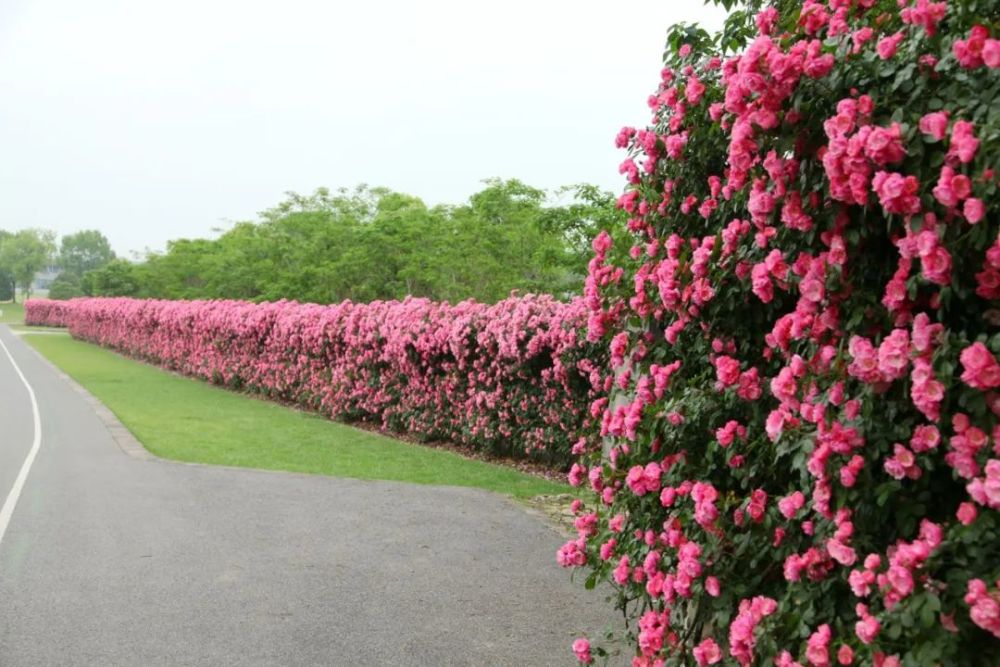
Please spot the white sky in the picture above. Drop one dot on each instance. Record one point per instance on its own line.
(152, 119)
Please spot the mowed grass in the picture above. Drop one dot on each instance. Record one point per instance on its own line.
(187, 420)
(11, 313)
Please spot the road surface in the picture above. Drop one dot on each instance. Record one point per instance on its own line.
(109, 559)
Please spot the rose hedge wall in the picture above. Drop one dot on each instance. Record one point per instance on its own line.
(46, 313)
(511, 378)
(802, 456)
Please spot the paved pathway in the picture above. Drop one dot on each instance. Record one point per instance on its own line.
(113, 560)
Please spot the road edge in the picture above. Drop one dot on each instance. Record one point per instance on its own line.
(14, 495)
(127, 442)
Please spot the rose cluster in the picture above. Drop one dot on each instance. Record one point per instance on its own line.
(801, 416)
(513, 378)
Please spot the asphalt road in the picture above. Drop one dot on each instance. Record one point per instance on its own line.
(113, 560)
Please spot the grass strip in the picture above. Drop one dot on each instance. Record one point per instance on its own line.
(11, 313)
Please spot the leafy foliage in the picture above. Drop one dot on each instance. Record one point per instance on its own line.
(372, 243)
(84, 251)
(65, 286)
(23, 254)
(801, 450)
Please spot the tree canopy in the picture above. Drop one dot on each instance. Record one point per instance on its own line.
(23, 254)
(371, 243)
(84, 251)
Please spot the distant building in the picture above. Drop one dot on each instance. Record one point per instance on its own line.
(43, 279)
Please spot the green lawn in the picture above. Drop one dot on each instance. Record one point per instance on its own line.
(11, 313)
(187, 420)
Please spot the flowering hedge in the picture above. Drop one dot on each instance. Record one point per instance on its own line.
(802, 451)
(46, 313)
(511, 379)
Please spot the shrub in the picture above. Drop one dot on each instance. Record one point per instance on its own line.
(46, 313)
(802, 456)
(65, 286)
(509, 379)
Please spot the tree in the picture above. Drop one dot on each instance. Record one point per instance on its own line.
(577, 222)
(26, 253)
(119, 277)
(84, 251)
(369, 244)
(6, 285)
(6, 277)
(65, 286)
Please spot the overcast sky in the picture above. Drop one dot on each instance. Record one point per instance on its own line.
(153, 120)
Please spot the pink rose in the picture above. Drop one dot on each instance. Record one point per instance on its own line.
(966, 513)
(970, 52)
(761, 282)
(924, 13)
(984, 610)
(887, 46)
(925, 438)
(974, 210)
(818, 647)
(935, 124)
(572, 554)
(707, 652)
(727, 370)
(819, 66)
(964, 143)
(840, 552)
(867, 629)
(893, 355)
(695, 90)
(884, 145)
(897, 193)
(900, 579)
(766, 20)
(981, 369)
(936, 265)
(859, 37)
(749, 385)
(991, 53)
(951, 188)
(791, 504)
(783, 385)
(581, 648)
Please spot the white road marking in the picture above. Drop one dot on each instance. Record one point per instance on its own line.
(15, 491)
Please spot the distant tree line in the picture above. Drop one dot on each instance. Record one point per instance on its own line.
(362, 244)
(373, 243)
(24, 254)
